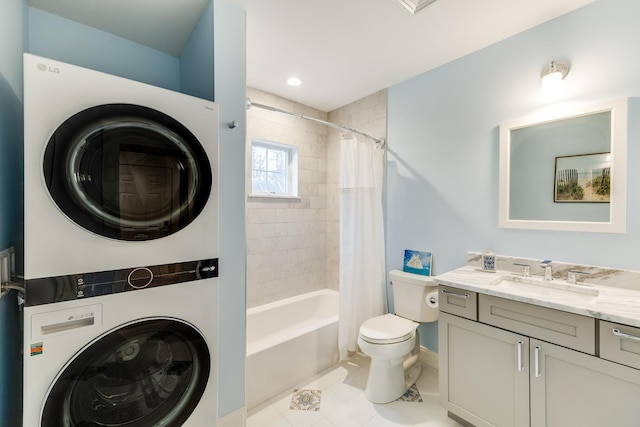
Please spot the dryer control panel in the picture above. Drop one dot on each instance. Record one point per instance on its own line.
(86, 285)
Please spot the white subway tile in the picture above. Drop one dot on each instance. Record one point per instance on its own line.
(293, 247)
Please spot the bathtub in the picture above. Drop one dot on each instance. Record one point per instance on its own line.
(288, 341)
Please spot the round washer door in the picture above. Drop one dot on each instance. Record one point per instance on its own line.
(151, 372)
(127, 172)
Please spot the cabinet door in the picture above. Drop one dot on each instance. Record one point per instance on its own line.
(569, 388)
(484, 373)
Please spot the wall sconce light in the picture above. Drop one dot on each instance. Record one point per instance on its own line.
(552, 84)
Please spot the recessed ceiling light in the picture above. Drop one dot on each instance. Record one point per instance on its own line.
(294, 81)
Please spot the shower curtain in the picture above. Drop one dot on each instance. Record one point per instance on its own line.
(362, 267)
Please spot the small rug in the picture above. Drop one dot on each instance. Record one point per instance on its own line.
(305, 400)
(411, 395)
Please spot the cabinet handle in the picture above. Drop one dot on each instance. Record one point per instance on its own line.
(620, 334)
(453, 294)
(537, 361)
(520, 365)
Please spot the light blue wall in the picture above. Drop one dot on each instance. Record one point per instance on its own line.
(13, 29)
(443, 142)
(196, 60)
(65, 40)
(230, 90)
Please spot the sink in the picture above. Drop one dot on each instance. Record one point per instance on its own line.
(546, 287)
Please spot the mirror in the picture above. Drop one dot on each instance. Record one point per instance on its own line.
(565, 171)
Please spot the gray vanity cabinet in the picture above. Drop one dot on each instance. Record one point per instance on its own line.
(569, 388)
(482, 378)
(493, 373)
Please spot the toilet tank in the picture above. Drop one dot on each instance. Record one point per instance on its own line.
(410, 296)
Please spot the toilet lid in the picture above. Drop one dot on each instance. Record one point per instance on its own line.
(387, 329)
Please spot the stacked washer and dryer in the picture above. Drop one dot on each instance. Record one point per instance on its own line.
(121, 251)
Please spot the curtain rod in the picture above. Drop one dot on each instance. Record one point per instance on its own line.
(250, 104)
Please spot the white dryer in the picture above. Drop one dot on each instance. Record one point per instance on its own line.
(143, 354)
(118, 173)
(121, 247)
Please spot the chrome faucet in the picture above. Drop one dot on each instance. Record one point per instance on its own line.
(548, 274)
(526, 269)
(571, 276)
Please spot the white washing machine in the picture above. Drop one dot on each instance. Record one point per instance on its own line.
(121, 247)
(118, 173)
(134, 357)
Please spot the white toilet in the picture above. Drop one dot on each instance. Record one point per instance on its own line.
(392, 340)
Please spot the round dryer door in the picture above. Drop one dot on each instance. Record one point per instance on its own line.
(127, 172)
(151, 372)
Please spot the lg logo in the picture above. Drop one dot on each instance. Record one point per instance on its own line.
(43, 67)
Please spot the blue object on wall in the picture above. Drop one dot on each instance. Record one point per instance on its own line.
(417, 262)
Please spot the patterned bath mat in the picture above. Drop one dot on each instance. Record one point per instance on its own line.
(305, 400)
(411, 395)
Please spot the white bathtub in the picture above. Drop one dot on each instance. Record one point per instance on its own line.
(288, 341)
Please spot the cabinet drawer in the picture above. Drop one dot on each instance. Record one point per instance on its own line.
(554, 326)
(620, 343)
(459, 302)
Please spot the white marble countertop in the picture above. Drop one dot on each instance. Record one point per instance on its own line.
(615, 304)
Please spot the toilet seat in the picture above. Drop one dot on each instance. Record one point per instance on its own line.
(387, 329)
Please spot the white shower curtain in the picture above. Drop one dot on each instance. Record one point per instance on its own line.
(362, 267)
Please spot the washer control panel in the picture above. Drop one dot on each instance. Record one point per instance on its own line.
(87, 285)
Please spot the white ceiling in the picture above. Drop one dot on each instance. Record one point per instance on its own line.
(343, 50)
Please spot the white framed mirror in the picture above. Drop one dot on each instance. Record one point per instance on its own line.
(565, 170)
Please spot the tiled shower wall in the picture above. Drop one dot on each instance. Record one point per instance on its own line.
(293, 244)
(287, 238)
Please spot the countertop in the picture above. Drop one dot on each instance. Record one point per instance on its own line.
(615, 304)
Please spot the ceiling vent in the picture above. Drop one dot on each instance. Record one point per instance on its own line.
(415, 6)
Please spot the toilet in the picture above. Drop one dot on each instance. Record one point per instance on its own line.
(392, 341)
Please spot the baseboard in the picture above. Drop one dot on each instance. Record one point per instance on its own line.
(237, 418)
(459, 420)
(428, 357)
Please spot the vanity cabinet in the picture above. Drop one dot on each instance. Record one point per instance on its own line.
(503, 370)
(569, 388)
(484, 372)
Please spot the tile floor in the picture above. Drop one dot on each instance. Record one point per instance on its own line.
(340, 391)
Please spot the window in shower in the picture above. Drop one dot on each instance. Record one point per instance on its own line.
(274, 169)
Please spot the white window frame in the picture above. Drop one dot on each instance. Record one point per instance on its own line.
(292, 168)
